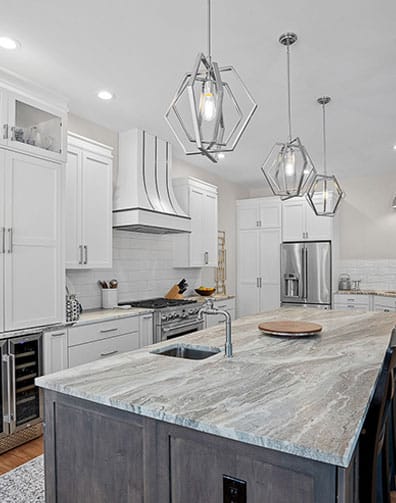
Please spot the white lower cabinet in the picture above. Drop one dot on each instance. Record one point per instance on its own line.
(55, 351)
(384, 304)
(218, 319)
(100, 340)
(352, 301)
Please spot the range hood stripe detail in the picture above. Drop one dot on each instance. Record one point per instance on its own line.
(143, 198)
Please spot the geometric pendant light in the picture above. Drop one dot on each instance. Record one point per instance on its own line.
(212, 107)
(325, 194)
(288, 167)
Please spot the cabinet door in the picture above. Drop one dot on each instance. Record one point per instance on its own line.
(248, 215)
(317, 228)
(197, 251)
(4, 126)
(34, 272)
(270, 213)
(2, 237)
(74, 250)
(248, 273)
(55, 351)
(293, 219)
(145, 330)
(209, 229)
(96, 211)
(270, 240)
(36, 128)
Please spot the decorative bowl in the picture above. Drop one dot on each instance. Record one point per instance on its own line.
(206, 292)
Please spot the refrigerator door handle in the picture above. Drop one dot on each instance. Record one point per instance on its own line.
(305, 251)
(304, 273)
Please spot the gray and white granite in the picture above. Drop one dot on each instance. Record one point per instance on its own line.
(99, 315)
(306, 396)
(382, 293)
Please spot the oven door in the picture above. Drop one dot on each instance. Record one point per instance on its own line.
(178, 329)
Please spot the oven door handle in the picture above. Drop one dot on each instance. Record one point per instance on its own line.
(181, 327)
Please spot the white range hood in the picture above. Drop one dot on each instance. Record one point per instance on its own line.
(144, 200)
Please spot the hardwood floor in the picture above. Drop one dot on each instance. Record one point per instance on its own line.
(11, 459)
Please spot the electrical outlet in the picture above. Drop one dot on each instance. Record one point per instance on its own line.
(234, 490)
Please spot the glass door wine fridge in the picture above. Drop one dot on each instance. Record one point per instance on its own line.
(21, 405)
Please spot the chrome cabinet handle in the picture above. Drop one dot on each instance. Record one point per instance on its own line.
(81, 254)
(10, 241)
(261, 282)
(109, 353)
(3, 239)
(86, 254)
(57, 334)
(107, 330)
(206, 257)
(258, 282)
(148, 317)
(5, 131)
(12, 133)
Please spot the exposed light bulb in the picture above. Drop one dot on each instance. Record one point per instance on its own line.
(220, 155)
(290, 163)
(9, 43)
(207, 102)
(105, 95)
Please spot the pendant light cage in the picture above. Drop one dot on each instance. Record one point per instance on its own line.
(325, 193)
(211, 108)
(288, 168)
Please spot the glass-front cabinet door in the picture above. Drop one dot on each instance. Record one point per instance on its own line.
(35, 127)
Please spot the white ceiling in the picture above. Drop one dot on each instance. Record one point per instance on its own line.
(140, 50)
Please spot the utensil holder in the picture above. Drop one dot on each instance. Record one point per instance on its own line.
(109, 298)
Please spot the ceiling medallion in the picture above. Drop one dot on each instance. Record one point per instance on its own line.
(212, 107)
(325, 193)
(288, 167)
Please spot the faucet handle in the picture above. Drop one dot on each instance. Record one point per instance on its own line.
(209, 303)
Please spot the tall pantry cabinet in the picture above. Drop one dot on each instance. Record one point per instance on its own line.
(32, 157)
(259, 238)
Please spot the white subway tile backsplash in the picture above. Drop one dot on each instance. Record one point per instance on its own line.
(374, 274)
(142, 264)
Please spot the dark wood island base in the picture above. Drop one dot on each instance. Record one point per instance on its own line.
(99, 454)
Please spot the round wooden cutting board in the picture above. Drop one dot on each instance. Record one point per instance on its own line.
(290, 328)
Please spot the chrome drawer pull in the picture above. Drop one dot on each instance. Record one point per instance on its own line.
(57, 334)
(109, 353)
(105, 331)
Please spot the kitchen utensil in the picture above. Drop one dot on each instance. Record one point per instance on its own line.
(102, 284)
(288, 328)
(183, 285)
(356, 284)
(344, 282)
(205, 293)
(174, 293)
(113, 283)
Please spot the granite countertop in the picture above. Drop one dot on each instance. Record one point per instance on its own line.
(99, 315)
(201, 298)
(307, 396)
(384, 293)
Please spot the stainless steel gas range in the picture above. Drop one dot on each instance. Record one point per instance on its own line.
(172, 317)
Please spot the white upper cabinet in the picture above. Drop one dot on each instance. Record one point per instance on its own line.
(33, 259)
(199, 200)
(33, 126)
(301, 224)
(3, 232)
(259, 237)
(88, 204)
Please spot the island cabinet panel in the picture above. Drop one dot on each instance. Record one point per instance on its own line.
(99, 454)
(93, 453)
(198, 461)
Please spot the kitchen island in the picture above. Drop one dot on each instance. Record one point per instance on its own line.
(283, 416)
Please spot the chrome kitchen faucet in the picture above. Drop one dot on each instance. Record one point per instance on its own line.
(209, 308)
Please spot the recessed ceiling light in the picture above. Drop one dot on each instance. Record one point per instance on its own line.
(394, 147)
(105, 95)
(9, 43)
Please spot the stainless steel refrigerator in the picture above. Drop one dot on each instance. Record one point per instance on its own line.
(306, 274)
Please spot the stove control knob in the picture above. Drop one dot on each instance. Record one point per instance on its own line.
(164, 317)
(191, 311)
(184, 315)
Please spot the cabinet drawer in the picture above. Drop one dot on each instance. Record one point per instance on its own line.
(384, 302)
(227, 304)
(104, 330)
(102, 349)
(360, 300)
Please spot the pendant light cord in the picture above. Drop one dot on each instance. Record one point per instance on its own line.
(288, 92)
(210, 31)
(324, 138)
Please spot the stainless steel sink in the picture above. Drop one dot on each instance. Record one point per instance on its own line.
(187, 352)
